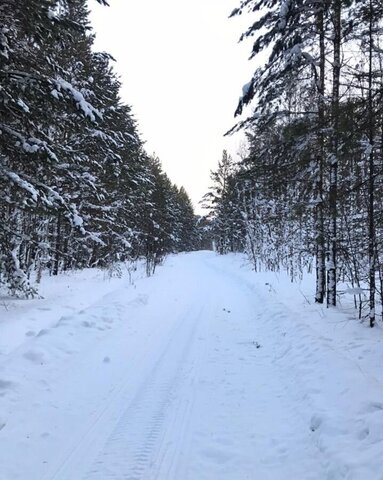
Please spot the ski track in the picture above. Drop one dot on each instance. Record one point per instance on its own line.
(213, 382)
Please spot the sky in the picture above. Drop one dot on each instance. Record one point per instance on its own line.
(182, 71)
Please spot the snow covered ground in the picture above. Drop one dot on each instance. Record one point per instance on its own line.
(206, 371)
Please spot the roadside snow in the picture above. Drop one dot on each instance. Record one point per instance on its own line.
(59, 296)
(205, 371)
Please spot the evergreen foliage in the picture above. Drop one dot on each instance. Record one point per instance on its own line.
(225, 214)
(311, 186)
(77, 188)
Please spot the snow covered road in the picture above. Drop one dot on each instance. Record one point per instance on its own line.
(194, 374)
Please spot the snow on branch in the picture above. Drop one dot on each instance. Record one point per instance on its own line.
(21, 183)
(87, 109)
(29, 145)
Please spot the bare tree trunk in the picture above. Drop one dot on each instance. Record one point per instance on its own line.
(249, 222)
(371, 186)
(333, 193)
(320, 237)
(56, 262)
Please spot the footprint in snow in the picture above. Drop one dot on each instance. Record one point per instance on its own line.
(34, 357)
(42, 332)
(87, 324)
(363, 433)
(371, 407)
(315, 422)
(4, 386)
(107, 320)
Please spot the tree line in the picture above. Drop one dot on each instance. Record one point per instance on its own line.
(77, 187)
(308, 193)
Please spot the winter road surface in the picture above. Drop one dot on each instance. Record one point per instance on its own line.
(194, 374)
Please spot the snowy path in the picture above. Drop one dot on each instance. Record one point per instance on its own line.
(195, 374)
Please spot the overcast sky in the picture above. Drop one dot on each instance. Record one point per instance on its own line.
(182, 71)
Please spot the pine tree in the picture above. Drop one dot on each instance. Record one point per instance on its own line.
(316, 141)
(29, 156)
(222, 201)
(78, 188)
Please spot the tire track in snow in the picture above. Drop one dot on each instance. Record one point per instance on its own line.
(143, 443)
(138, 431)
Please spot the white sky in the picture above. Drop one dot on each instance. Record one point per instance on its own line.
(182, 71)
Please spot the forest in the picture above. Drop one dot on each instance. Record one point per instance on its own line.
(307, 195)
(77, 188)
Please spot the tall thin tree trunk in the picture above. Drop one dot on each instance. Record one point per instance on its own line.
(333, 193)
(320, 237)
(249, 225)
(371, 215)
(56, 261)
